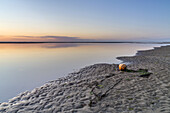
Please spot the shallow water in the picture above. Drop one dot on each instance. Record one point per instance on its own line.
(26, 66)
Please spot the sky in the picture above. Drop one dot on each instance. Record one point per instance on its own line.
(83, 20)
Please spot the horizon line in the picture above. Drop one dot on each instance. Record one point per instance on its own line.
(22, 42)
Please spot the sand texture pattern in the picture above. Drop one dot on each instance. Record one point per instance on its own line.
(101, 88)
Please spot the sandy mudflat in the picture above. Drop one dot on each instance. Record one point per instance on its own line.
(101, 88)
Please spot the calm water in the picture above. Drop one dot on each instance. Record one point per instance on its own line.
(26, 66)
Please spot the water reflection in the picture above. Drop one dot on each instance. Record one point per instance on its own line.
(43, 45)
(61, 45)
(26, 66)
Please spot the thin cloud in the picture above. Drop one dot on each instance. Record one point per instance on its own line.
(50, 38)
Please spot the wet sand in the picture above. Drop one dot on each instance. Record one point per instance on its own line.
(101, 88)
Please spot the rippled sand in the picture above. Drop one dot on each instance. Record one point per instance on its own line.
(101, 88)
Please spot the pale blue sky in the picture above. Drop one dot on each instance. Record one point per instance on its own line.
(89, 19)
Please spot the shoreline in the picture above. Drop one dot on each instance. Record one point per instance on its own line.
(101, 88)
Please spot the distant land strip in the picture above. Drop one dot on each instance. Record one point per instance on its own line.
(84, 42)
